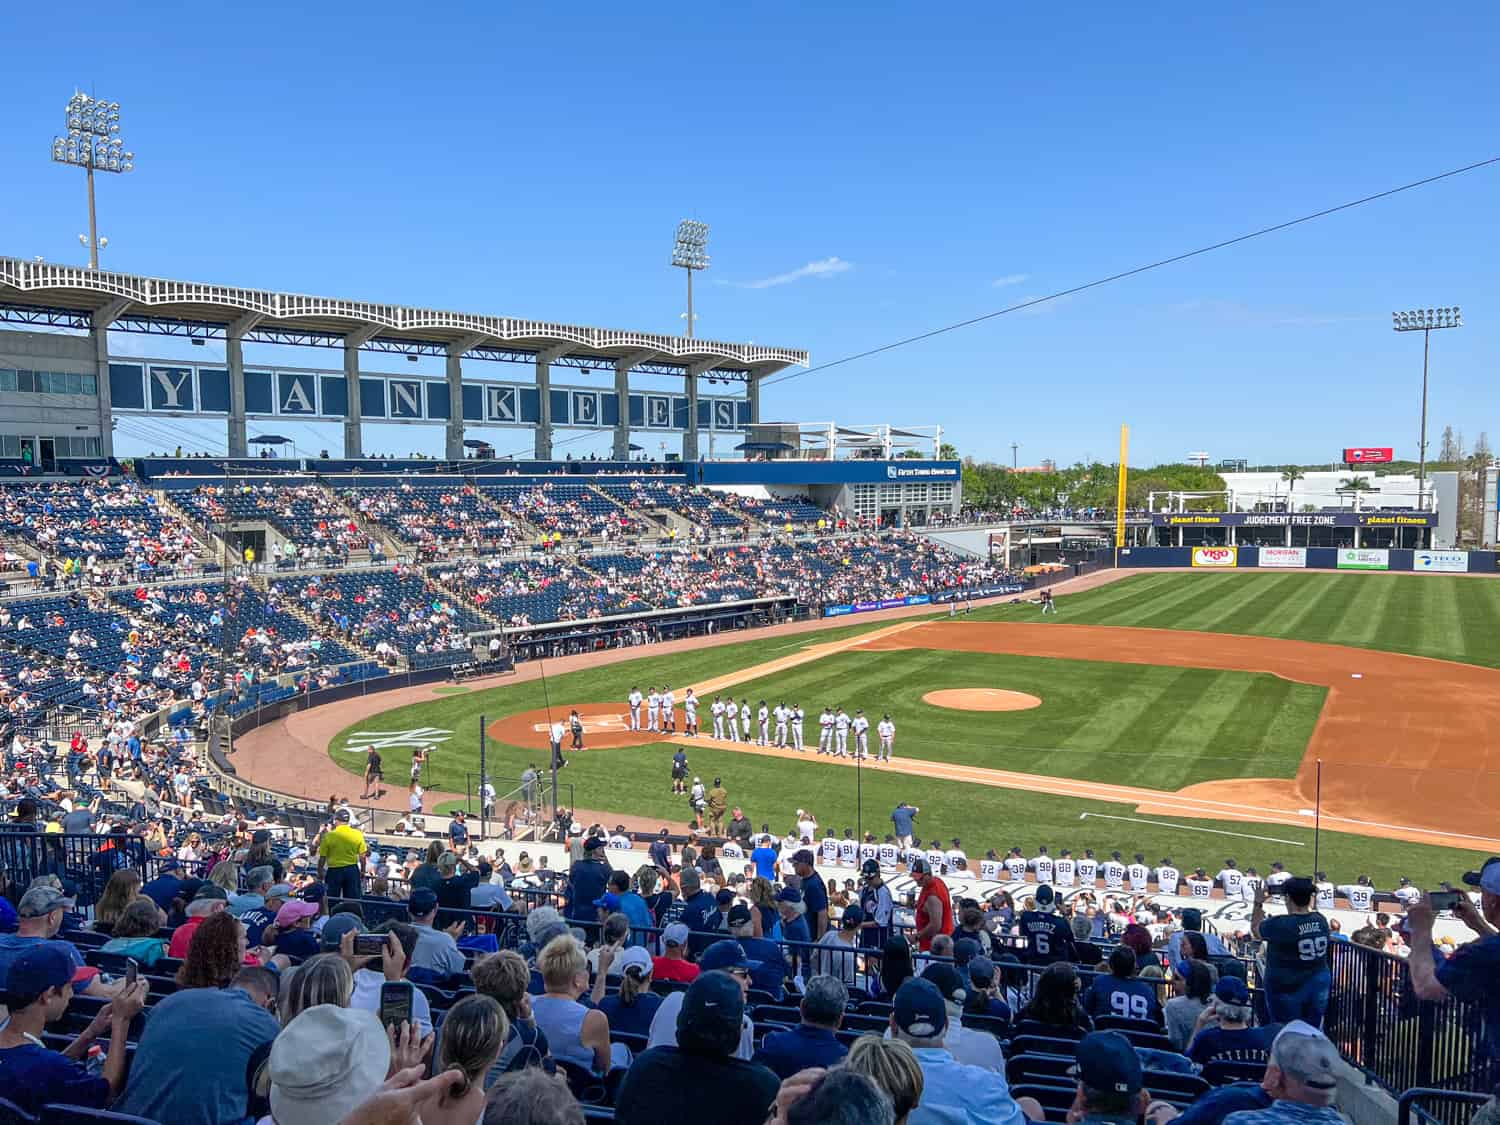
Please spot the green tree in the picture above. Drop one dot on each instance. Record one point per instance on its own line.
(947, 452)
(1291, 474)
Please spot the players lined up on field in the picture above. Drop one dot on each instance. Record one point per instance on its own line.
(780, 726)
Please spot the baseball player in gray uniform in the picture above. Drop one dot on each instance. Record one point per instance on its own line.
(717, 711)
(825, 731)
(732, 714)
(635, 708)
(861, 727)
(797, 718)
(745, 718)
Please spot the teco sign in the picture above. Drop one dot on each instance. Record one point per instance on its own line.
(1369, 455)
(1215, 556)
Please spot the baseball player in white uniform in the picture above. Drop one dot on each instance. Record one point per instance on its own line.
(1114, 873)
(1200, 885)
(829, 848)
(1167, 876)
(991, 870)
(653, 710)
(745, 719)
(889, 853)
(690, 713)
(780, 713)
(797, 717)
(1065, 871)
(887, 732)
(668, 710)
(825, 732)
(635, 708)
(732, 713)
(764, 715)
(1015, 865)
(861, 727)
(1042, 865)
(868, 849)
(841, 723)
(717, 710)
(1139, 875)
(1088, 869)
(848, 849)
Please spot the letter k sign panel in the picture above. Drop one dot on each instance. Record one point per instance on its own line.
(172, 389)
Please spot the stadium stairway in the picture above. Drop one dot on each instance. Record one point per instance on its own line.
(293, 607)
(370, 528)
(214, 547)
(460, 595)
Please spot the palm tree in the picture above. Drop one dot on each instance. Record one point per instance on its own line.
(1291, 474)
(1354, 486)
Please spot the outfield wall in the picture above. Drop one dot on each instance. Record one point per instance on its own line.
(1313, 558)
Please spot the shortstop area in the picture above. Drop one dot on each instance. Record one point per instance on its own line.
(1180, 715)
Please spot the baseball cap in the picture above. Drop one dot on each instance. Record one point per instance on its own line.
(280, 890)
(294, 910)
(726, 954)
(423, 900)
(40, 901)
(325, 1062)
(982, 972)
(261, 836)
(919, 867)
(804, 856)
(712, 1010)
(342, 815)
(314, 892)
(739, 914)
(335, 928)
(965, 950)
(853, 917)
(44, 966)
(608, 901)
(1046, 898)
(1487, 878)
(675, 934)
(1107, 1062)
(1305, 1053)
(869, 868)
(635, 958)
(1232, 990)
(724, 897)
(948, 981)
(593, 842)
(211, 892)
(789, 894)
(919, 1009)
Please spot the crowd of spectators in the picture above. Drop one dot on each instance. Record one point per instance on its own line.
(94, 532)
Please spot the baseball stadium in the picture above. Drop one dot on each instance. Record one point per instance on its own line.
(766, 754)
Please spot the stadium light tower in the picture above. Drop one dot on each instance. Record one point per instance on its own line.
(690, 252)
(93, 142)
(1425, 321)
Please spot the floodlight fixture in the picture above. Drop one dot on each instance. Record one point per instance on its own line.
(1425, 321)
(93, 143)
(690, 252)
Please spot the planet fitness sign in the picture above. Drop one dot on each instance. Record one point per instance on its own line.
(1220, 557)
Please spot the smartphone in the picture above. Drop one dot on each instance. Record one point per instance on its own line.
(369, 945)
(1443, 900)
(132, 970)
(396, 1003)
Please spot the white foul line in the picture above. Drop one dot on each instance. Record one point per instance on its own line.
(1192, 828)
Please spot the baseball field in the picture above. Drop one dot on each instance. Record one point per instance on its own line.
(1180, 715)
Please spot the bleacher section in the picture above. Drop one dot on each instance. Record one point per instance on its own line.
(109, 521)
(397, 607)
(303, 513)
(437, 518)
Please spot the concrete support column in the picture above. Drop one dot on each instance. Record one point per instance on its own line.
(752, 393)
(544, 400)
(690, 433)
(234, 360)
(622, 425)
(1288, 535)
(354, 447)
(99, 333)
(453, 432)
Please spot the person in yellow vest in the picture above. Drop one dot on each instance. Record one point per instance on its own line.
(249, 556)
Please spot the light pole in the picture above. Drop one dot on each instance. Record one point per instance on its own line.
(1015, 445)
(1425, 321)
(93, 142)
(690, 252)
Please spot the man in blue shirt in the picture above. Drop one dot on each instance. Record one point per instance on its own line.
(812, 1042)
(166, 886)
(190, 1067)
(814, 893)
(1473, 970)
(1297, 972)
(1192, 922)
(1120, 993)
(903, 818)
(1231, 1037)
(769, 974)
(1048, 937)
(1111, 1083)
(764, 858)
(952, 1093)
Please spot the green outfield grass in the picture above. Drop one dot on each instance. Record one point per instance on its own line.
(1446, 617)
(1130, 724)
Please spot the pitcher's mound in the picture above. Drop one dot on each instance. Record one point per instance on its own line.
(982, 699)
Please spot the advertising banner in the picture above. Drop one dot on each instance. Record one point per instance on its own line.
(1369, 455)
(1290, 558)
(1221, 557)
(1440, 562)
(924, 599)
(1361, 558)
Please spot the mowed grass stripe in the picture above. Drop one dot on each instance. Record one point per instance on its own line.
(1178, 717)
(1236, 597)
(1370, 613)
(1476, 611)
(1168, 601)
(1274, 592)
(1283, 738)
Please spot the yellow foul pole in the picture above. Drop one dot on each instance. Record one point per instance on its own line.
(1120, 495)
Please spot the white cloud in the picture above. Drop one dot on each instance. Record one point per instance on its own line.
(823, 267)
(1009, 279)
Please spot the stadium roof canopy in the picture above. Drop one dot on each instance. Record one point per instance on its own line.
(42, 293)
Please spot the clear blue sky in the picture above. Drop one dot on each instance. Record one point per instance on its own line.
(532, 160)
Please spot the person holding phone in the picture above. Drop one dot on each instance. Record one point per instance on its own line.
(1473, 970)
(1298, 977)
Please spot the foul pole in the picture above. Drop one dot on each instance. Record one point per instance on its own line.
(1120, 493)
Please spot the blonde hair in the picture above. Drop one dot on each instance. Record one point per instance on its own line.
(560, 962)
(226, 874)
(474, 1030)
(892, 1066)
(119, 893)
(321, 979)
(646, 877)
(503, 977)
(762, 893)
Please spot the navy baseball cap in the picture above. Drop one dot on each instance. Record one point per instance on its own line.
(46, 965)
(313, 892)
(724, 897)
(853, 917)
(336, 927)
(1046, 898)
(919, 1009)
(726, 954)
(712, 1011)
(1107, 1062)
(423, 900)
(965, 950)
(789, 894)
(948, 981)
(804, 856)
(1232, 990)
(1487, 878)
